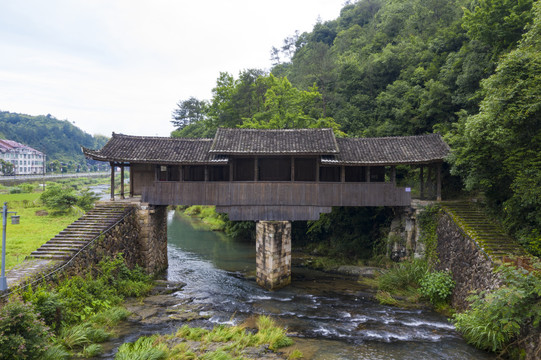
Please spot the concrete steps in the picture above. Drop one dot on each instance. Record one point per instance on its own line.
(76, 235)
(488, 235)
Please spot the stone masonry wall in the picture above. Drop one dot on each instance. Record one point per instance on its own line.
(471, 268)
(141, 237)
(122, 238)
(273, 254)
(153, 238)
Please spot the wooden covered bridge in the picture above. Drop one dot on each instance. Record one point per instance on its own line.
(271, 176)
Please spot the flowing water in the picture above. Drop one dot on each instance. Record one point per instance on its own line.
(331, 316)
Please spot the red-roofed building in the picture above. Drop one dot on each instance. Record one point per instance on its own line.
(25, 160)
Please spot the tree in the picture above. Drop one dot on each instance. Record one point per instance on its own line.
(286, 107)
(188, 112)
(498, 150)
(6, 167)
(498, 23)
(55, 166)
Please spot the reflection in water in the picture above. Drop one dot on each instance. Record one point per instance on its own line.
(332, 317)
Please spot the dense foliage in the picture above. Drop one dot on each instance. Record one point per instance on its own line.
(498, 149)
(59, 139)
(79, 310)
(469, 69)
(23, 335)
(495, 319)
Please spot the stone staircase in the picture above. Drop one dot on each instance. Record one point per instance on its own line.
(73, 238)
(489, 236)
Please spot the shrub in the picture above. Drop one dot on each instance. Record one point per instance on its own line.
(15, 190)
(26, 188)
(58, 198)
(48, 304)
(403, 276)
(495, 319)
(22, 334)
(437, 286)
(92, 350)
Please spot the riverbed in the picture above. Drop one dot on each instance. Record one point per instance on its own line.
(329, 316)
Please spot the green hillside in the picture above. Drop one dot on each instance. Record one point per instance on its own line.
(467, 69)
(59, 139)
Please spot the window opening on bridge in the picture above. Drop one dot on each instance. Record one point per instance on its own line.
(305, 169)
(168, 173)
(329, 173)
(355, 174)
(274, 169)
(243, 169)
(193, 173)
(377, 174)
(218, 173)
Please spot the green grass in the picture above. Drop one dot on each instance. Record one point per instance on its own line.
(231, 340)
(208, 216)
(33, 230)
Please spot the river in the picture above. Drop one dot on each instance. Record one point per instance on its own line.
(331, 316)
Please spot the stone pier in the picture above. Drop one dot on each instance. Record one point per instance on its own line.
(273, 259)
(153, 237)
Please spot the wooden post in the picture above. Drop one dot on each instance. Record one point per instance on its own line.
(122, 181)
(112, 181)
(393, 175)
(206, 173)
(131, 182)
(256, 169)
(181, 172)
(342, 173)
(367, 175)
(421, 181)
(438, 184)
(230, 169)
(429, 183)
(292, 168)
(317, 170)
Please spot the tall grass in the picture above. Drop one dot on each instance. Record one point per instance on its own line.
(403, 277)
(145, 348)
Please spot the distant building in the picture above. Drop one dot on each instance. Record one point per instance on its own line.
(25, 160)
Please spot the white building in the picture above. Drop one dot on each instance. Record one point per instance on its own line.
(25, 160)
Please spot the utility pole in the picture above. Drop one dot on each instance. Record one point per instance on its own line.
(14, 221)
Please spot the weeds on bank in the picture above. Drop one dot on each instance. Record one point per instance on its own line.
(73, 316)
(409, 282)
(208, 216)
(231, 340)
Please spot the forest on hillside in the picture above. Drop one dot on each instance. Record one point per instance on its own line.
(468, 69)
(60, 140)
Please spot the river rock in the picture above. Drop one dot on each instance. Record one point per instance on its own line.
(166, 287)
(363, 271)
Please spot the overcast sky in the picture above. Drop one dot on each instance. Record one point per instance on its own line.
(122, 65)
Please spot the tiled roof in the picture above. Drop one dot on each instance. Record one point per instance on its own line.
(419, 149)
(8, 145)
(274, 142)
(163, 150)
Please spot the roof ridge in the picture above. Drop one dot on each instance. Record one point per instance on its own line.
(117, 135)
(274, 130)
(392, 137)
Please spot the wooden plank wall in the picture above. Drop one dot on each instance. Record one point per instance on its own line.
(229, 194)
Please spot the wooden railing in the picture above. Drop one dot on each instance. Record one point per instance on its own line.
(275, 194)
